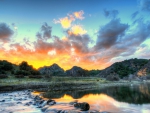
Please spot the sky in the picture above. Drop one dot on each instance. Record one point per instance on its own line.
(92, 34)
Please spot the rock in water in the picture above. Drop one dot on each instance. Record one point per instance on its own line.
(51, 102)
(83, 106)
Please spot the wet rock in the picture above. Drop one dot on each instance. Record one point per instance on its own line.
(83, 106)
(2, 100)
(51, 102)
(27, 104)
(19, 102)
(43, 104)
(94, 112)
(104, 112)
(38, 102)
(45, 108)
(63, 111)
(30, 102)
(37, 98)
(74, 102)
(51, 111)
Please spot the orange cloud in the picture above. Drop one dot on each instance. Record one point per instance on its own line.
(79, 15)
(67, 21)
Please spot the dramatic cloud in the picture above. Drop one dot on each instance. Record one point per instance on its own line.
(115, 41)
(5, 32)
(110, 13)
(128, 45)
(79, 15)
(67, 21)
(110, 34)
(145, 5)
(45, 32)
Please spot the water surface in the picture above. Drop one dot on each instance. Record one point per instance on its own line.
(118, 99)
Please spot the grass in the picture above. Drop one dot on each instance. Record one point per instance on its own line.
(60, 83)
(11, 80)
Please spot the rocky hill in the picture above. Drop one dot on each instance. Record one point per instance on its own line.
(145, 70)
(77, 71)
(124, 68)
(52, 70)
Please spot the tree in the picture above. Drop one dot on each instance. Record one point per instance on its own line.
(24, 66)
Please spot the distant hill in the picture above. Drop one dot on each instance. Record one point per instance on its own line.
(52, 70)
(124, 68)
(76, 71)
(137, 67)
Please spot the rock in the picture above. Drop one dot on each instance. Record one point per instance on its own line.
(45, 108)
(42, 104)
(51, 102)
(83, 106)
(104, 112)
(95, 112)
(27, 104)
(19, 102)
(72, 103)
(51, 111)
(2, 101)
(38, 102)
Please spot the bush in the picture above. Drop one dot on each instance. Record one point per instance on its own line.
(3, 76)
(48, 77)
(6, 66)
(22, 72)
(112, 78)
(19, 76)
(35, 76)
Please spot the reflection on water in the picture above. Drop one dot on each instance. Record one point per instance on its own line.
(124, 99)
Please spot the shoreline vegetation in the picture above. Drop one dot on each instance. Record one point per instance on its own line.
(54, 78)
(60, 83)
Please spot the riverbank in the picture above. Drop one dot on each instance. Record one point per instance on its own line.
(17, 102)
(59, 83)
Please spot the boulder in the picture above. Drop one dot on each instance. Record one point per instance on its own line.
(51, 102)
(83, 106)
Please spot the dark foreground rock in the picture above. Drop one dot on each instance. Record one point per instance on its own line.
(83, 106)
